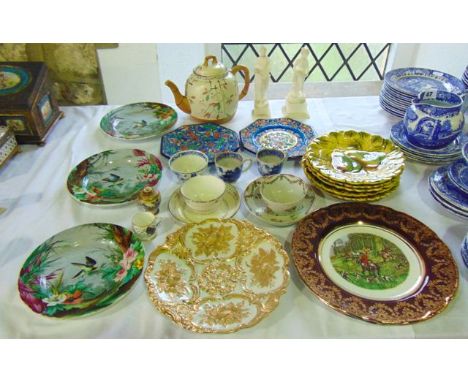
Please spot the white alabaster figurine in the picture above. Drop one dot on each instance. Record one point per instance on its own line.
(296, 105)
(262, 79)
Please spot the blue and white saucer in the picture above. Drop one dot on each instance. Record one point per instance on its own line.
(443, 155)
(458, 174)
(446, 193)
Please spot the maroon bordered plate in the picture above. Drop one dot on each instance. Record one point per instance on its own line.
(374, 263)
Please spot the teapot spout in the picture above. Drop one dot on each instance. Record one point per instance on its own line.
(180, 100)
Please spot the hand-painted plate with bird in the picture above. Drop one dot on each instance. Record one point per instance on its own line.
(113, 176)
(81, 270)
(138, 120)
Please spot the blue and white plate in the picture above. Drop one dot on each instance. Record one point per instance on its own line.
(447, 206)
(465, 150)
(458, 174)
(445, 154)
(209, 138)
(283, 134)
(396, 112)
(464, 250)
(465, 77)
(412, 81)
(444, 188)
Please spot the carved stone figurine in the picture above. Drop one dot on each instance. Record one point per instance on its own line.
(296, 105)
(262, 79)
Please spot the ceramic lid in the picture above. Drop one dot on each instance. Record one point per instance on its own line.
(210, 68)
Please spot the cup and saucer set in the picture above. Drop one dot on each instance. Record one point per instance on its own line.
(274, 198)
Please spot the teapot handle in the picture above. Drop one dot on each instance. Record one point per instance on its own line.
(246, 73)
(213, 59)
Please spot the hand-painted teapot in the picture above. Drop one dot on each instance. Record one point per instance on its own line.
(211, 92)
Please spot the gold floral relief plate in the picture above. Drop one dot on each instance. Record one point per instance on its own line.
(374, 263)
(217, 276)
(355, 157)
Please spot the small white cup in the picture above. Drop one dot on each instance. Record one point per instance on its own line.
(201, 193)
(282, 192)
(144, 225)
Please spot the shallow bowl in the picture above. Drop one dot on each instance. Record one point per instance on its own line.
(202, 192)
(282, 192)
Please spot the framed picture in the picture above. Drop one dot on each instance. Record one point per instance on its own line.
(17, 123)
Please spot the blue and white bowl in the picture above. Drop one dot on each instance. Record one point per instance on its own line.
(270, 161)
(188, 163)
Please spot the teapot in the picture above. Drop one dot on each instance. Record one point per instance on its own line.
(211, 93)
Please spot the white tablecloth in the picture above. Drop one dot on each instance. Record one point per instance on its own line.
(32, 188)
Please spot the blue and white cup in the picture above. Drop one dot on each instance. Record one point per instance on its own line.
(270, 161)
(188, 163)
(230, 165)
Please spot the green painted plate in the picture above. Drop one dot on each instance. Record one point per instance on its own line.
(81, 270)
(139, 120)
(113, 176)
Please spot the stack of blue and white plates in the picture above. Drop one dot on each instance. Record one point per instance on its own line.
(464, 250)
(444, 155)
(402, 85)
(465, 77)
(449, 186)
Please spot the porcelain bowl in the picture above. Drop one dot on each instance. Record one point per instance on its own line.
(188, 163)
(282, 192)
(201, 193)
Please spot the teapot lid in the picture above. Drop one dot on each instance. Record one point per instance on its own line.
(215, 69)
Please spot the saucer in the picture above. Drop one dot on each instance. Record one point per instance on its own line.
(441, 185)
(458, 174)
(226, 208)
(257, 206)
(447, 206)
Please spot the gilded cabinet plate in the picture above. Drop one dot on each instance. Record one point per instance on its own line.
(217, 276)
(374, 263)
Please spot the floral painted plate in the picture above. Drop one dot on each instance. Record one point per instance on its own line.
(113, 176)
(412, 81)
(355, 157)
(226, 208)
(138, 120)
(257, 206)
(81, 270)
(208, 138)
(217, 276)
(374, 263)
(284, 134)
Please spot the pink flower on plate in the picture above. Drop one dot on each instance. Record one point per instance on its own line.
(27, 295)
(130, 256)
(143, 162)
(120, 274)
(139, 153)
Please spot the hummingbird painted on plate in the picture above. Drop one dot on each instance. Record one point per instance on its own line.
(87, 268)
(112, 178)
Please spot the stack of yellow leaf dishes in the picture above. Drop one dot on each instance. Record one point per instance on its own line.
(352, 165)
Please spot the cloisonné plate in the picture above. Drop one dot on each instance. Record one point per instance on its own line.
(257, 206)
(226, 208)
(412, 81)
(138, 120)
(283, 134)
(81, 270)
(355, 157)
(113, 176)
(458, 174)
(440, 183)
(374, 263)
(209, 138)
(13, 79)
(217, 276)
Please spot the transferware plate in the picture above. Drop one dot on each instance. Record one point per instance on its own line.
(217, 276)
(138, 120)
(283, 134)
(81, 270)
(374, 263)
(113, 176)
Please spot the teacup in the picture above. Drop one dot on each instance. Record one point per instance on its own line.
(283, 192)
(230, 165)
(144, 225)
(270, 161)
(434, 119)
(201, 193)
(188, 163)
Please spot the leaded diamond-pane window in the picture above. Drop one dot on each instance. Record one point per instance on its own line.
(328, 62)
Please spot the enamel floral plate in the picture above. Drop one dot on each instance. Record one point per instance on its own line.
(209, 138)
(138, 120)
(113, 176)
(81, 270)
(217, 276)
(374, 263)
(283, 134)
